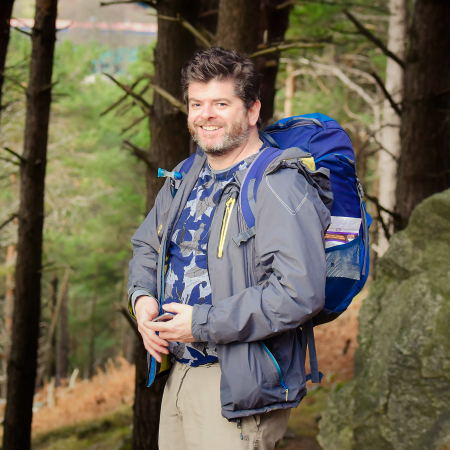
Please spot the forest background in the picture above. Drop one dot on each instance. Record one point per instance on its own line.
(99, 183)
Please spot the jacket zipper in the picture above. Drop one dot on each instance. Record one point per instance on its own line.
(229, 205)
(280, 375)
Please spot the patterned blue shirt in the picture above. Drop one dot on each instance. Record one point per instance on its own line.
(187, 279)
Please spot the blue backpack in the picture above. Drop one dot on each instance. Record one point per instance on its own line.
(347, 263)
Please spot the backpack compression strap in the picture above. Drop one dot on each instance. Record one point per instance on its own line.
(249, 189)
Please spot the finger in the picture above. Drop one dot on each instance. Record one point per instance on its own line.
(158, 340)
(155, 354)
(157, 326)
(174, 307)
(148, 343)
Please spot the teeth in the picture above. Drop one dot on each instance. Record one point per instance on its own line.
(210, 128)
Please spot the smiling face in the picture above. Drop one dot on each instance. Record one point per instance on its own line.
(218, 120)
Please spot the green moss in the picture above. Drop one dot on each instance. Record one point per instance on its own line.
(305, 418)
(111, 432)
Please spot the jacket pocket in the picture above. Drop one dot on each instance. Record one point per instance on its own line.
(250, 379)
(278, 369)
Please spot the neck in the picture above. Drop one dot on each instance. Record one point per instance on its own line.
(251, 146)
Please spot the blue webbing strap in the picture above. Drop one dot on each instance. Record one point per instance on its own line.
(365, 230)
(308, 341)
(269, 139)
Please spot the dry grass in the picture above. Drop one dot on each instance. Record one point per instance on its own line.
(89, 399)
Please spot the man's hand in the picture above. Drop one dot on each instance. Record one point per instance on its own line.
(179, 328)
(146, 310)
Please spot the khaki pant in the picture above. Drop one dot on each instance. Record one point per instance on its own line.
(191, 416)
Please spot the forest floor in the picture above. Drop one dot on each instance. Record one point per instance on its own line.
(96, 414)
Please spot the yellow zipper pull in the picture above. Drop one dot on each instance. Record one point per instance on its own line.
(229, 205)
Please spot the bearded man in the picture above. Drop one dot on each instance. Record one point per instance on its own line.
(234, 342)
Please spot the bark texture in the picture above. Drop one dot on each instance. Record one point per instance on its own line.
(5, 17)
(238, 25)
(62, 343)
(272, 27)
(25, 334)
(168, 125)
(169, 146)
(424, 167)
(390, 134)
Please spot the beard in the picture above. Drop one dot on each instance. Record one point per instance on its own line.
(237, 135)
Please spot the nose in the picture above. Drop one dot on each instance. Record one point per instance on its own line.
(207, 111)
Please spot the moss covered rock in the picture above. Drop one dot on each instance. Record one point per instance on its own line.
(400, 397)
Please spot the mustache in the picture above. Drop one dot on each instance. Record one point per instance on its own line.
(209, 124)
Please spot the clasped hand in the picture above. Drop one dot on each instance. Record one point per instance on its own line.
(177, 329)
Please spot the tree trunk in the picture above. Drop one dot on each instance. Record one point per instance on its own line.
(91, 356)
(51, 363)
(5, 18)
(22, 362)
(424, 166)
(169, 146)
(147, 404)
(273, 25)
(238, 25)
(62, 343)
(390, 133)
(9, 309)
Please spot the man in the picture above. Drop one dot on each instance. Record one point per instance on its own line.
(235, 343)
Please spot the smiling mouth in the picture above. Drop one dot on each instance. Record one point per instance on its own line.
(210, 127)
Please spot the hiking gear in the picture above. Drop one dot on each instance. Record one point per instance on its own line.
(261, 291)
(329, 147)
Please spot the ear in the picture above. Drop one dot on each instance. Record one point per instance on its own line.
(253, 113)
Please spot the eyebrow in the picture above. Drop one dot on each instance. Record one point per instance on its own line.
(214, 100)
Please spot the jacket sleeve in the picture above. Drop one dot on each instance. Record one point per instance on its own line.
(146, 242)
(291, 221)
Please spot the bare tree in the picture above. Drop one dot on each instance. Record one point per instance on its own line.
(25, 334)
(424, 166)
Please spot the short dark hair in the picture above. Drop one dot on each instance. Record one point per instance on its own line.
(219, 64)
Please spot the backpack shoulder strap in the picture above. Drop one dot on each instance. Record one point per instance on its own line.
(249, 188)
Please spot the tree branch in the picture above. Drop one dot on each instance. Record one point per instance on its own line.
(286, 46)
(170, 98)
(10, 219)
(14, 81)
(129, 91)
(394, 105)
(382, 208)
(365, 32)
(140, 153)
(186, 25)
(26, 33)
(9, 160)
(121, 99)
(134, 123)
(20, 157)
(331, 3)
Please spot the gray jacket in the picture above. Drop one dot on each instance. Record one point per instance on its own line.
(263, 290)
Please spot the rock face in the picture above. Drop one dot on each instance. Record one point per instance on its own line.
(400, 397)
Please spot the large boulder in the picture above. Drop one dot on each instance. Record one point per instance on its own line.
(400, 396)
